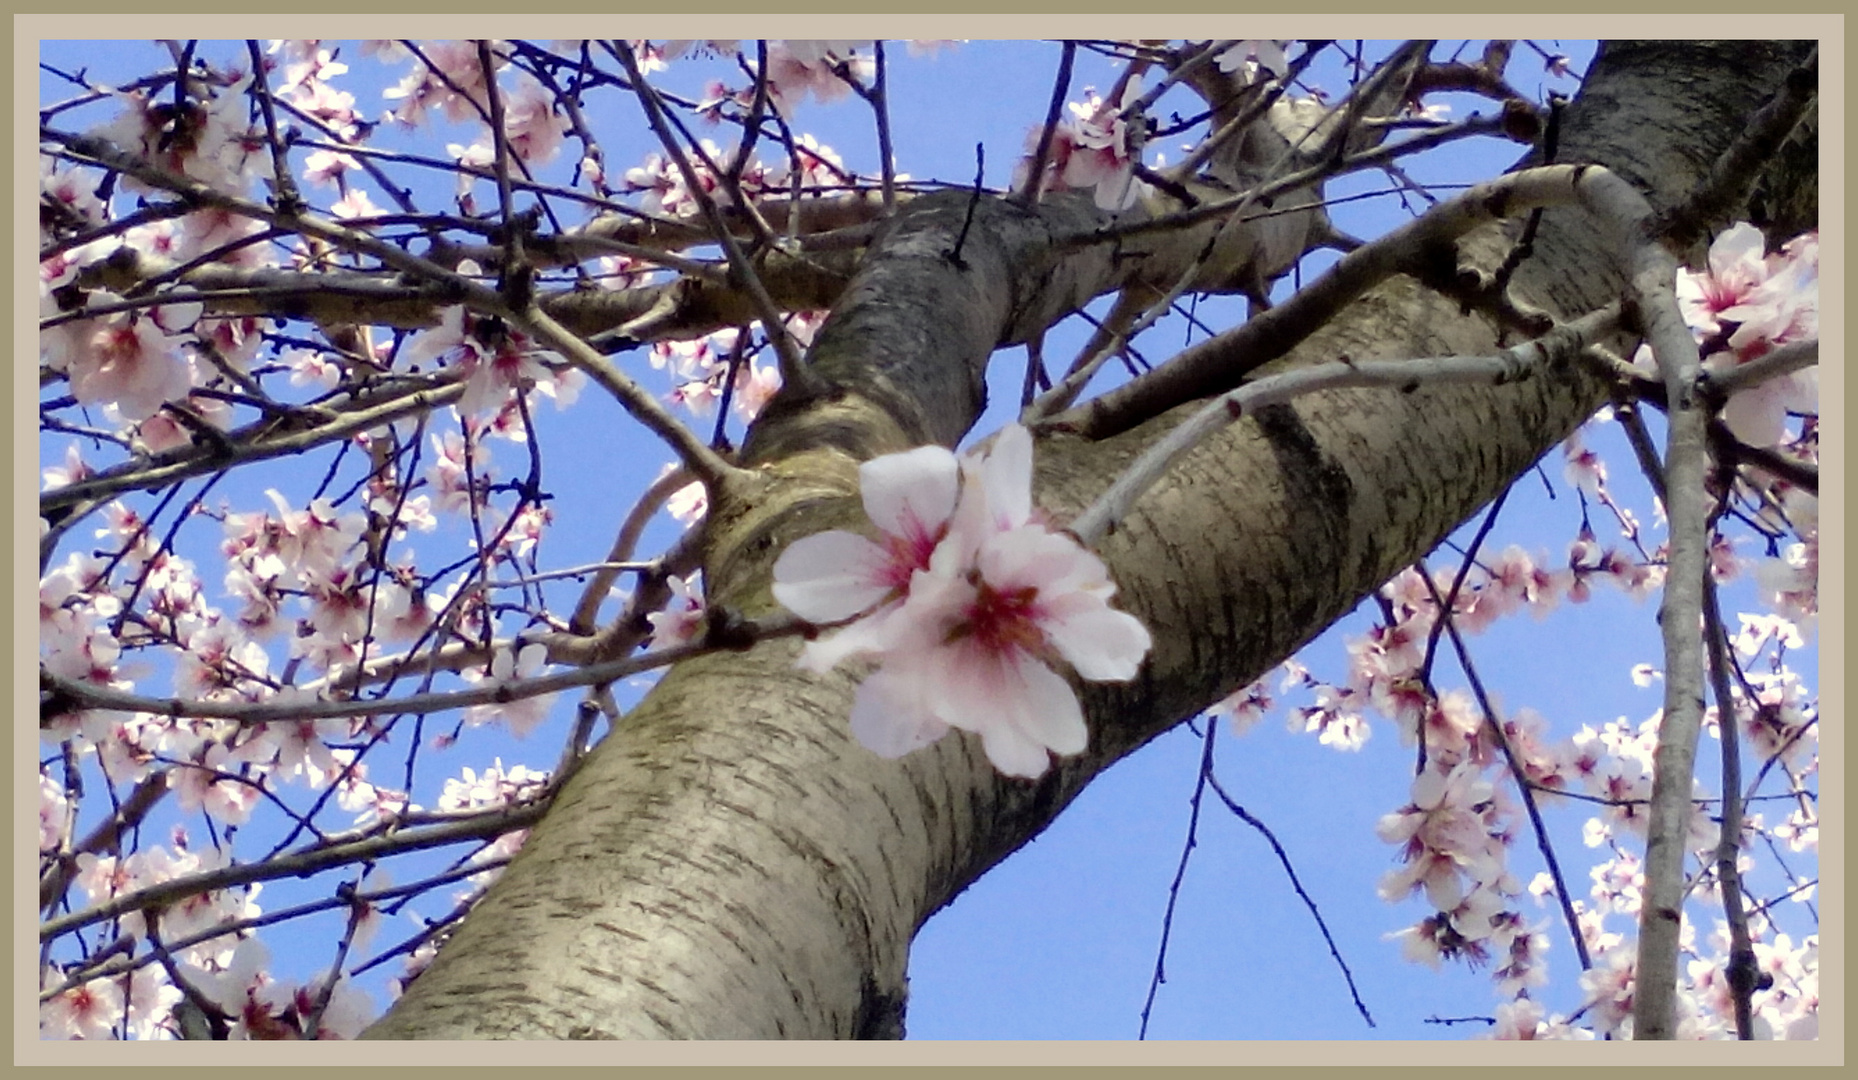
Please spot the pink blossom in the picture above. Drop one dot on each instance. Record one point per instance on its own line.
(213, 784)
(675, 49)
(1609, 990)
(231, 238)
(1335, 718)
(1095, 149)
(1728, 289)
(1253, 61)
(1757, 303)
(1244, 707)
(534, 130)
(495, 364)
(818, 165)
(681, 621)
(1519, 1019)
(461, 94)
(332, 106)
(688, 503)
(449, 477)
(210, 140)
(510, 665)
(799, 68)
(1443, 835)
(129, 362)
(755, 386)
(328, 166)
(89, 1010)
(973, 648)
(54, 822)
(496, 787)
(965, 601)
(309, 366)
(72, 471)
(836, 574)
(317, 65)
(68, 201)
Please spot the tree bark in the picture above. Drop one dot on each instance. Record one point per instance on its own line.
(728, 863)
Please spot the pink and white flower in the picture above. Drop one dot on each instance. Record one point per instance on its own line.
(681, 621)
(966, 602)
(1743, 306)
(511, 665)
(1254, 61)
(1097, 148)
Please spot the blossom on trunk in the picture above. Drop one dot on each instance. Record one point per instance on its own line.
(966, 601)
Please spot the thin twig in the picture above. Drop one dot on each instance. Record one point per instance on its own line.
(1524, 786)
(1061, 88)
(1309, 902)
(792, 371)
(1201, 777)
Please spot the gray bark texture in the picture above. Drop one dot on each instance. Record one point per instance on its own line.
(729, 864)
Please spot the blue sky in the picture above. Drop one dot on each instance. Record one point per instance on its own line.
(1059, 942)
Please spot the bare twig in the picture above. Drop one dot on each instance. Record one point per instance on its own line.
(1202, 775)
(1309, 902)
(1061, 88)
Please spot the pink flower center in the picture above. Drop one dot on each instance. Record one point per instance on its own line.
(1001, 620)
(909, 553)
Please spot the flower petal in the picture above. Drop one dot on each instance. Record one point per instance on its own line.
(830, 575)
(910, 495)
(1007, 475)
(888, 714)
(1099, 641)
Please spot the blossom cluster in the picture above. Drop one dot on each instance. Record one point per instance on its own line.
(1096, 150)
(496, 362)
(1742, 306)
(1456, 831)
(964, 601)
(702, 368)
(812, 167)
(226, 969)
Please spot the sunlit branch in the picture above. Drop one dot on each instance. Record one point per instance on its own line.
(644, 407)
(1741, 972)
(1651, 273)
(1217, 363)
(587, 610)
(1514, 364)
(260, 441)
(478, 826)
(1783, 361)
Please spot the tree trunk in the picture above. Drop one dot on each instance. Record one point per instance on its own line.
(730, 864)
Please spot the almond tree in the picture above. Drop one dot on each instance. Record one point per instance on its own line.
(901, 663)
